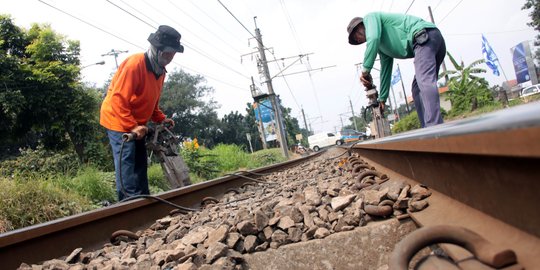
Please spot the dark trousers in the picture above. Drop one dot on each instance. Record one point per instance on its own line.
(427, 61)
(133, 168)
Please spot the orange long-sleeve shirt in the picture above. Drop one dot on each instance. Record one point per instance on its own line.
(133, 96)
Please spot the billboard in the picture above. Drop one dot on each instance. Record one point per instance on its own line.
(519, 58)
(265, 116)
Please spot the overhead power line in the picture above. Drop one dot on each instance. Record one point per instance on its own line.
(237, 20)
(137, 46)
(449, 12)
(188, 45)
(409, 6)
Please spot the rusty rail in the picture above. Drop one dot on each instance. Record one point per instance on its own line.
(92, 229)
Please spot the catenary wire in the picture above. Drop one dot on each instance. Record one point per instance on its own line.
(188, 45)
(440, 22)
(140, 47)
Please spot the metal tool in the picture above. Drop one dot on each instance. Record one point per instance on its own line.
(379, 126)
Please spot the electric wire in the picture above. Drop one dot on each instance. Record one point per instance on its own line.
(440, 22)
(188, 45)
(409, 6)
(133, 15)
(140, 47)
(216, 22)
(237, 20)
(203, 26)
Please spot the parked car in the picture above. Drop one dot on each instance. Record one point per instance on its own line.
(530, 90)
(324, 139)
(351, 135)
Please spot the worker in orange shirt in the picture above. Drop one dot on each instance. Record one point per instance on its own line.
(132, 100)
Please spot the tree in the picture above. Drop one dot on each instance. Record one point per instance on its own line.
(189, 103)
(535, 17)
(41, 99)
(467, 91)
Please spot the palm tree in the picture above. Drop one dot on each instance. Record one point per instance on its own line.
(467, 91)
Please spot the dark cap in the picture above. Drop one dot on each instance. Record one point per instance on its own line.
(352, 27)
(166, 39)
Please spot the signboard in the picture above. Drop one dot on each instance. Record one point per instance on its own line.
(265, 116)
(519, 58)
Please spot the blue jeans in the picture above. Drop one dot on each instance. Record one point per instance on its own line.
(133, 166)
(428, 58)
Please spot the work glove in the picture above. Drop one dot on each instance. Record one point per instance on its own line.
(366, 79)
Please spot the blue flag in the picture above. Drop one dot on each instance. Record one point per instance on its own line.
(490, 56)
(396, 76)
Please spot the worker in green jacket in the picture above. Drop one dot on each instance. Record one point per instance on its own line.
(402, 36)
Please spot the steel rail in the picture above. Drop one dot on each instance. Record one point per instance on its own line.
(484, 172)
(92, 229)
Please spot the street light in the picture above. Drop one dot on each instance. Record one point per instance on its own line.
(102, 62)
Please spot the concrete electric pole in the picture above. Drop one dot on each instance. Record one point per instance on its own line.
(277, 110)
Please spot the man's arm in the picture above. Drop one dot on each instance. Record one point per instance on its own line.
(373, 27)
(386, 75)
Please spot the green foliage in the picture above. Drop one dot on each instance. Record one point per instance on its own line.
(29, 202)
(265, 157)
(188, 101)
(156, 179)
(199, 161)
(467, 91)
(535, 19)
(230, 157)
(409, 122)
(90, 183)
(39, 162)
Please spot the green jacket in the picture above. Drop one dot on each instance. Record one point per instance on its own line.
(391, 36)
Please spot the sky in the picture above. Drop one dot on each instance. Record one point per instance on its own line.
(219, 43)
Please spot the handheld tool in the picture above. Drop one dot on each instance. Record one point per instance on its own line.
(379, 126)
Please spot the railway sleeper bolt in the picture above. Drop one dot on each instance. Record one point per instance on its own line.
(123, 235)
(367, 173)
(209, 200)
(379, 211)
(246, 184)
(484, 251)
(233, 190)
(356, 170)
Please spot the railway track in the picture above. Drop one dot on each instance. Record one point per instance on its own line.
(483, 175)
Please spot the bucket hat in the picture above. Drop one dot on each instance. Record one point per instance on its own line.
(166, 39)
(352, 27)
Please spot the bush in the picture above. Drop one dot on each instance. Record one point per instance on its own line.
(265, 157)
(29, 202)
(94, 185)
(230, 157)
(407, 123)
(156, 179)
(40, 161)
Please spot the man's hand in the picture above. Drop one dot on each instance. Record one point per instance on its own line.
(168, 121)
(381, 105)
(366, 79)
(140, 131)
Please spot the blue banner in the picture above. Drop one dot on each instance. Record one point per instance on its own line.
(490, 56)
(396, 76)
(519, 58)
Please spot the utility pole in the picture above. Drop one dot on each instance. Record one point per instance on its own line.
(404, 93)
(114, 53)
(305, 122)
(277, 110)
(443, 64)
(353, 116)
(395, 102)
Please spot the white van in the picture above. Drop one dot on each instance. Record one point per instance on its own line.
(320, 140)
